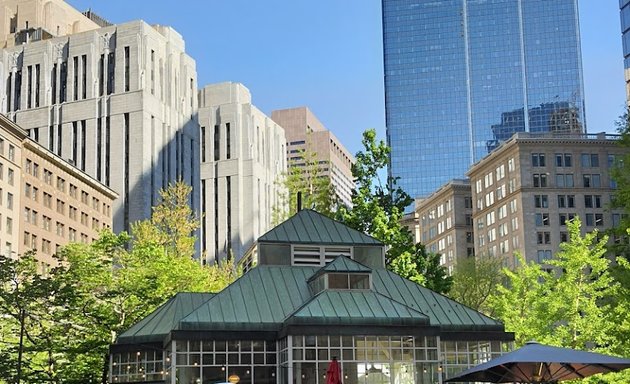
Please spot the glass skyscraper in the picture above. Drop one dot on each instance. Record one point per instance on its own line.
(462, 75)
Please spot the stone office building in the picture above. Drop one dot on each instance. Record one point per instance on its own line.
(45, 202)
(242, 160)
(286, 318)
(524, 192)
(117, 101)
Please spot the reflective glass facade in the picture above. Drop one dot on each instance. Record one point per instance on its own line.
(462, 75)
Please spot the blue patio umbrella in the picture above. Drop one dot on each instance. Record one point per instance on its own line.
(541, 364)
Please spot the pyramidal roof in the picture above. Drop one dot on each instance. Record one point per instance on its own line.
(310, 227)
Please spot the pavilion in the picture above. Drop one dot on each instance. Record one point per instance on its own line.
(314, 290)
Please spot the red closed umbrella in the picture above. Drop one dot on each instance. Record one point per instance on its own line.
(333, 373)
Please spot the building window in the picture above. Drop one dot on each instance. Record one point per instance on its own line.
(101, 75)
(566, 201)
(542, 219)
(217, 136)
(594, 220)
(592, 201)
(10, 200)
(544, 237)
(564, 217)
(228, 150)
(538, 160)
(589, 160)
(541, 201)
(591, 181)
(544, 255)
(564, 180)
(111, 66)
(540, 180)
(61, 184)
(127, 80)
(75, 83)
(63, 89)
(152, 72)
(84, 76)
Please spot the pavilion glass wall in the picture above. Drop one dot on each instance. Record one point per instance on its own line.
(460, 355)
(137, 366)
(214, 361)
(364, 359)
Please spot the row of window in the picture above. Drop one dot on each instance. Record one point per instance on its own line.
(568, 201)
(10, 153)
(31, 216)
(32, 168)
(591, 219)
(587, 160)
(31, 240)
(566, 180)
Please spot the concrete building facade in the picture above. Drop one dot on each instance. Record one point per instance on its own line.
(27, 20)
(242, 159)
(44, 201)
(444, 223)
(119, 102)
(524, 193)
(305, 131)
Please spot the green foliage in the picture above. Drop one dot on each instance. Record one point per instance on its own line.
(475, 279)
(620, 172)
(305, 175)
(98, 291)
(377, 209)
(579, 303)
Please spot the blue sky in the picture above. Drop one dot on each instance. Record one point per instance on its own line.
(327, 54)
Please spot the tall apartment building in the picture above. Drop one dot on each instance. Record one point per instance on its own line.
(119, 102)
(524, 192)
(444, 222)
(44, 201)
(463, 75)
(624, 6)
(242, 159)
(305, 132)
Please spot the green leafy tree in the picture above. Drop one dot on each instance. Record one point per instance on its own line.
(475, 279)
(521, 303)
(377, 209)
(305, 175)
(569, 305)
(31, 329)
(101, 289)
(620, 172)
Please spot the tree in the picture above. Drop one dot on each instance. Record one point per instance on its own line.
(475, 279)
(377, 209)
(566, 306)
(520, 303)
(30, 329)
(305, 175)
(100, 289)
(173, 222)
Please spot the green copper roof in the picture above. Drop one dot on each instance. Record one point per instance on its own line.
(356, 307)
(441, 310)
(260, 300)
(157, 325)
(310, 227)
(268, 296)
(272, 297)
